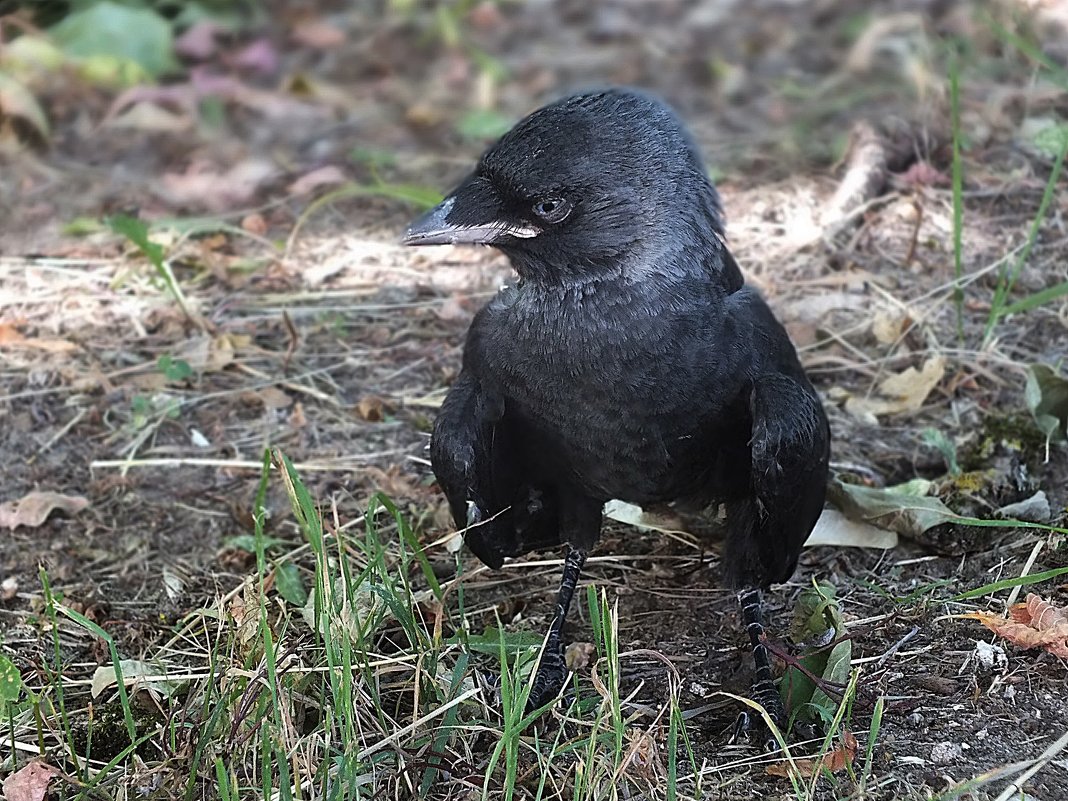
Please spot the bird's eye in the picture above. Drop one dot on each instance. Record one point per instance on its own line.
(553, 209)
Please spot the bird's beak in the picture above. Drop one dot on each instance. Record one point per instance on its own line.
(469, 216)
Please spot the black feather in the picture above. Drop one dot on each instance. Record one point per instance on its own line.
(630, 361)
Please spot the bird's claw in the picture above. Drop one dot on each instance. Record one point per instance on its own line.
(751, 727)
(548, 681)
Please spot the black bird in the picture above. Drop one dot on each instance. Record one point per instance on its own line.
(630, 361)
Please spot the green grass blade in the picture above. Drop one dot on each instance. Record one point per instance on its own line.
(1040, 298)
(1018, 581)
(958, 198)
(1008, 277)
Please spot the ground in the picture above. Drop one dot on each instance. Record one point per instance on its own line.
(304, 327)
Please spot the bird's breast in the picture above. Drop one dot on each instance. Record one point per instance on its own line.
(634, 404)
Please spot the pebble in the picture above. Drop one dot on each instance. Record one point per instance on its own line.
(945, 753)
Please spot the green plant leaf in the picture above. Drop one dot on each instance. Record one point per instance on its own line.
(247, 543)
(120, 32)
(290, 585)
(483, 124)
(818, 618)
(10, 684)
(174, 369)
(493, 640)
(137, 232)
(1046, 396)
(905, 509)
(945, 446)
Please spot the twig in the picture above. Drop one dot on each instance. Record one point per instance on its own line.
(896, 647)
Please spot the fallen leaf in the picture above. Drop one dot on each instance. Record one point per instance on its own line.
(270, 397)
(923, 173)
(150, 117)
(634, 515)
(1033, 624)
(134, 672)
(1038, 612)
(834, 528)
(371, 408)
(297, 418)
(323, 176)
(33, 509)
(578, 655)
(396, 483)
(30, 782)
(198, 41)
(18, 103)
(832, 761)
(903, 392)
(887, 327)
(254, 224)
(117, 31)
(318, 35)
(11, 337)
(1046, 396)
(206, 186)
(259, 56)
(206, 354)
(906, 509)
(1035, 509)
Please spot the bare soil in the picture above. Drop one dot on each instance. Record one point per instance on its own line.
(338, 347)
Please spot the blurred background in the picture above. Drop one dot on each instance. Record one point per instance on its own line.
(170, 108)
(200, 204)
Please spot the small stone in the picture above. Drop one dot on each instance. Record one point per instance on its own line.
(990, 657)
(945, 753)
(916, 719)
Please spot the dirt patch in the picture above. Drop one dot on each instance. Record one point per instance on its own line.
(338, 346)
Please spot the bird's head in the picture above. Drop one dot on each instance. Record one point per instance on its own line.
(593, 184)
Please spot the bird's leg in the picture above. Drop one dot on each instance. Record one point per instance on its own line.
(764, 691)
(552, 671)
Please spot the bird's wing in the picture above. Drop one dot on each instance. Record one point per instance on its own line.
(477, 457)
(789, 453)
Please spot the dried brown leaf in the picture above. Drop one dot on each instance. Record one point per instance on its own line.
(833, 761)
(371, 408)
(30, 782)
(11, 337)
(318, 35)
(1033, 624)
(1038, 612)
(329, 175)
(903, 392)
(32, 510)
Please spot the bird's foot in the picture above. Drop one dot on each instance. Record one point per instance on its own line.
(752, 727)
(548, 681)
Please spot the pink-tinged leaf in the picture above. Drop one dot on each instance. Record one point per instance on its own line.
(33, 509)
(323, 176)
(318, 35)
(1033, 624)
(260, 56)
(923, 173)
(832, 761)
(30, 782)
(198, 42)
(205, 186)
